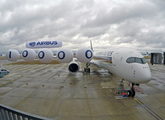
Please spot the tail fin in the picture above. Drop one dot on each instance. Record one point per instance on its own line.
(91, 45)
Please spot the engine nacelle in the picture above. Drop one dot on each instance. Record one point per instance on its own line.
(29, 54)
(12, 55)
(84, 55)
(64, 55)
(73, 67)
(45, 56)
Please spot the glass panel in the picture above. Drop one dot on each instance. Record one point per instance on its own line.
(128, 60)
(144, 60)
(138, 60)
(132, 59)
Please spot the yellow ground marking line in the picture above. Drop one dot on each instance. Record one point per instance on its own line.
(145, 107)
(149, 110)
(113, 81)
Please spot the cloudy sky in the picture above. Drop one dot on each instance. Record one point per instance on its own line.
(138, 24)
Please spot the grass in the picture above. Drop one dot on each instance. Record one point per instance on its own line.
(27, 62)
(3, 58)
(38, 62)
(147, 57)
(33, 62)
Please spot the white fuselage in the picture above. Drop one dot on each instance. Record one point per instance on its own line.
(115, 61)
(128, 64)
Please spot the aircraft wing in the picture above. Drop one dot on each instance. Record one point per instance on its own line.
(95, 62)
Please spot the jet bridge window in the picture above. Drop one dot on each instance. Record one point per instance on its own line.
(136, 60)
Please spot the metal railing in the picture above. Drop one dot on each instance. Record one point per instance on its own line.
(7, 113)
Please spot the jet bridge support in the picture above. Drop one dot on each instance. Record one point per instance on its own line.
(156, 58)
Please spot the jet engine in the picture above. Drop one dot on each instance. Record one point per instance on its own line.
(73, 67)
(45, 56)
(64, 55)
(84, 55)
(29, 54)
(12, 55)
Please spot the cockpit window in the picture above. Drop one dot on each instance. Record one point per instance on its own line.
(144, 60)
(136, 60)
(130, 60)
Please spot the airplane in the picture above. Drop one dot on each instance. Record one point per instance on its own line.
(145, 53)
(128, 64)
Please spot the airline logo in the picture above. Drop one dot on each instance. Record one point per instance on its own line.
(32, 44)
(44, 44)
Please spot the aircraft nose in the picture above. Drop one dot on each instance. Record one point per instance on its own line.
(147, 75)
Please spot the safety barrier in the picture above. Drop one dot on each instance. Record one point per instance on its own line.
(7, 113)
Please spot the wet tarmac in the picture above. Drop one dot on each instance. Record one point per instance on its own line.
(51, 91)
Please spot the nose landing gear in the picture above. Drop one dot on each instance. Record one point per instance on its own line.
(130, 93)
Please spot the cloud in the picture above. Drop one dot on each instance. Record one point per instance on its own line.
(132, 23)
(122, 13)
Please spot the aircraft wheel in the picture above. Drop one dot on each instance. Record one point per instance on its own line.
(133, 93)
(87, 70)
(129, 93)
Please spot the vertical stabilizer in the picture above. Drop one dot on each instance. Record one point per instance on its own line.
(91, 45)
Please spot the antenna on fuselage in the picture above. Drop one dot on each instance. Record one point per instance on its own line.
(91, 45)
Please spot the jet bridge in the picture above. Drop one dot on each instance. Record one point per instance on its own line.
(156, 58)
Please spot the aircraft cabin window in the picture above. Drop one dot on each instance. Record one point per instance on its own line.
(136, 60)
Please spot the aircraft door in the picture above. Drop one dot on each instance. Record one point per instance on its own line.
(114, 60)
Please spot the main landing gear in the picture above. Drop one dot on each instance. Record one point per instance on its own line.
(87, 69)
(130, 93)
